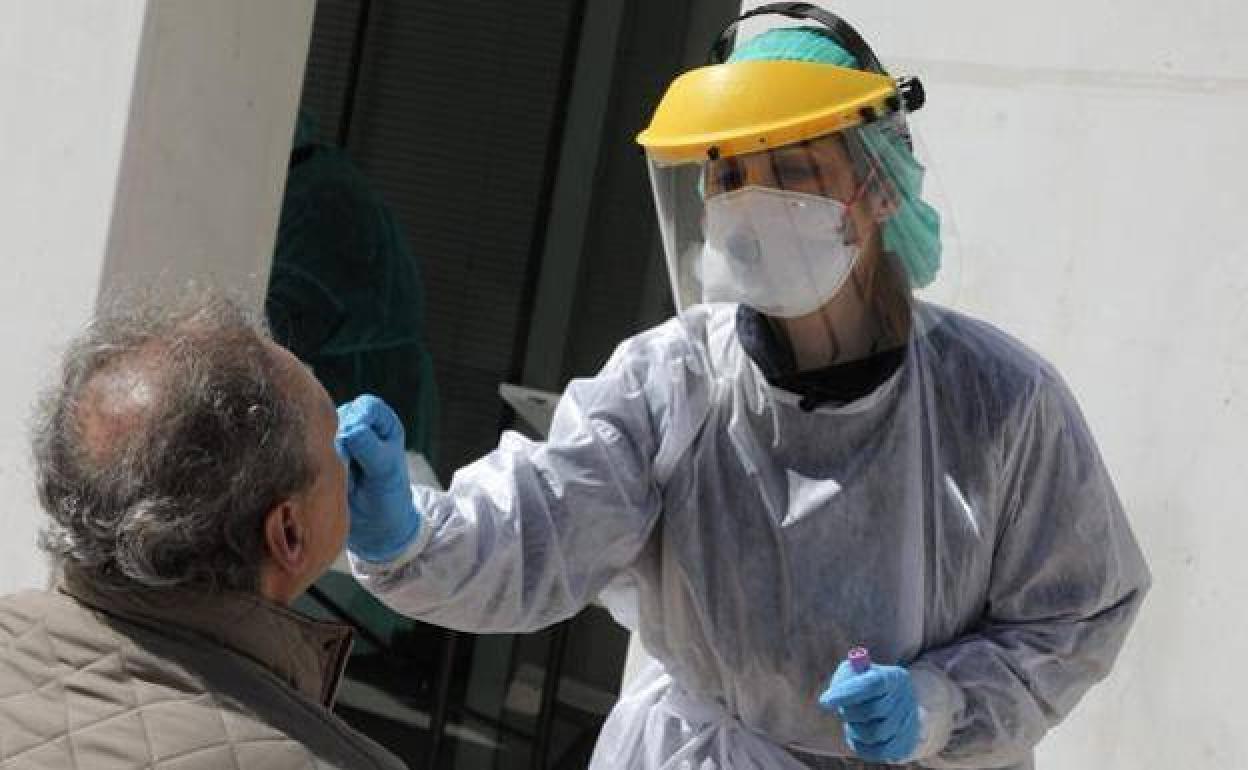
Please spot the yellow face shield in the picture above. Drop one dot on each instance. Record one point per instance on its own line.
(723, 110)
(775, 185)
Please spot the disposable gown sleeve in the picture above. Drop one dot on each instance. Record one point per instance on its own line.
(532, 532)
(1067, 581)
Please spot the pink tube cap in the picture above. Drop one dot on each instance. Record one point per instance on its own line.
(859, 659)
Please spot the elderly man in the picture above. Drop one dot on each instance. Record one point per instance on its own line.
(187, 466)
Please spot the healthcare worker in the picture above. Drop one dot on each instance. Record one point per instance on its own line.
(345, 293)
(806, 458)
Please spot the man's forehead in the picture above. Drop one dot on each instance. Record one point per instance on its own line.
(300, 380)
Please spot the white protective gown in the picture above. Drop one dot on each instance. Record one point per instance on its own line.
(957, 520)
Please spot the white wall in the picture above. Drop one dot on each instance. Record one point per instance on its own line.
(142, 140)
(67, 71)
(1095, 157)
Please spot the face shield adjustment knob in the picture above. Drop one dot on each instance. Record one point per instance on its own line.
(912, 94)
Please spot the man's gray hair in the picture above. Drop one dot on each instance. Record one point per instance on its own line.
(178, 497)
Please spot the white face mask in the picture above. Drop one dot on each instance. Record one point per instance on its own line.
(783, 253)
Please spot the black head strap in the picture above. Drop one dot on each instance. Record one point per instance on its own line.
(910, 88)
(840, 29)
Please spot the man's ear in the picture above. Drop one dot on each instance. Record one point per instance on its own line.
(286, 537)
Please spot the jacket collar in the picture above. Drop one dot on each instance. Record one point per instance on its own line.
(836, 384)
(308, 654)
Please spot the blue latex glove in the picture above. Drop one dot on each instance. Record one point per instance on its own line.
(370, 441)
(880, 712)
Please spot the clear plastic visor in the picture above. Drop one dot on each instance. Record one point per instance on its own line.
(829, 239)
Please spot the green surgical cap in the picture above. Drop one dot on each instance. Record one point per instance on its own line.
(794, 44)
(912, 232)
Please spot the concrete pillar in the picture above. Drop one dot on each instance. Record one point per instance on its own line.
(144, 141)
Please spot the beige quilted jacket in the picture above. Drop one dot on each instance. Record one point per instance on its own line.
(171, 681)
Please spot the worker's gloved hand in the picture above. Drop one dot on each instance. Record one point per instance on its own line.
(879, 709)
(370, 441)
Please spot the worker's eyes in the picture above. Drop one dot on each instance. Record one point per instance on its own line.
(796, 175)
(728, 178)
(786, 174)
